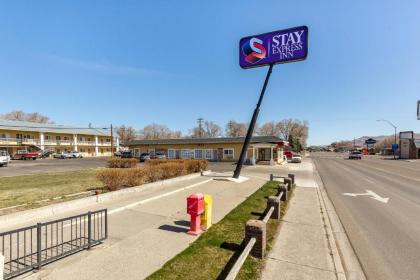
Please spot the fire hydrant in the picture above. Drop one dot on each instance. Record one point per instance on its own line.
(195, 207)
(206, 216)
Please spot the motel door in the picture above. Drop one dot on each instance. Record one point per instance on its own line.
(264, 154)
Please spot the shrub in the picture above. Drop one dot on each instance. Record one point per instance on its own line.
(122, 162)
(118, 178)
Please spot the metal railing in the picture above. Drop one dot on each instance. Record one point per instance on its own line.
(234, 271)
(32, 247)
(238, 265)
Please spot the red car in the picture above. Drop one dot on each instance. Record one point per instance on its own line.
(24, 154)
(288, 154)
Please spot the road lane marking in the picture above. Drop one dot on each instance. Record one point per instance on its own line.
(370, 193)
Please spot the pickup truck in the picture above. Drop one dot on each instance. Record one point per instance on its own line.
(24, 154)
(4, 158)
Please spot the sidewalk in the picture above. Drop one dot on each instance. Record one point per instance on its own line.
(144, 237)
(303, 249)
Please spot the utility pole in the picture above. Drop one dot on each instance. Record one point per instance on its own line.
(395, 134)
(200, 127)
(112, 142)
(230, 128)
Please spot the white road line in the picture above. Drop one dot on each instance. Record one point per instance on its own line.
(116, 210)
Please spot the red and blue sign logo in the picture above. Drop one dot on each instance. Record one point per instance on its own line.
(254, 50)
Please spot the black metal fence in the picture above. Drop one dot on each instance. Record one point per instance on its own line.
(31, 247)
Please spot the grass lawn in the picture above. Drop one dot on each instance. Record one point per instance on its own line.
(213, 254)
(31, 188)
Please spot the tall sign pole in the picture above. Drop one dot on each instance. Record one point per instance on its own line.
(268, 49)
(252, 126)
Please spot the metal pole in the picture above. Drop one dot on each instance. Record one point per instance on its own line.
(395, 140)
(89, 230)
(38, 246)
(251, 126)
(112, 143)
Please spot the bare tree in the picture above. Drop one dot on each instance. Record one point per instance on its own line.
(157, 131)
(236, 129)
(292, 128)
(29, 117)
(208, 129)
(269, 129)
(126, 134)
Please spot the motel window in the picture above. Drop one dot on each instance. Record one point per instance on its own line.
(171, 153)
(108, 140)
(187, 154)
(228, 153)
(57, 137)
(5, 135)
(48, 137)
(208, 154)
(199, 154)
(66, 138)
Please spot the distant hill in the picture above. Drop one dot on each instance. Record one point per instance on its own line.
(361, 140)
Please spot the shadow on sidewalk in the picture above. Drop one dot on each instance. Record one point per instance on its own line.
(180, 226)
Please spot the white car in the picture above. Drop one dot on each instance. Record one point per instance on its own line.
(4, 158)
(62, 155)
(75, 154)
(296, 158)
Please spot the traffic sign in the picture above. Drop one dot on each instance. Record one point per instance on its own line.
(281, 46)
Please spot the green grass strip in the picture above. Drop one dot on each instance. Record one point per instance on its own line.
(213, 254)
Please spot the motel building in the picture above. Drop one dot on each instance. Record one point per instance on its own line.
(52, 138)
(262, 149)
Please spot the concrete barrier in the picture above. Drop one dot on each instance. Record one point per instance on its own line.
(257, 229)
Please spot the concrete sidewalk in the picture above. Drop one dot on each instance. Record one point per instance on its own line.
(144, 237)
(304, 248)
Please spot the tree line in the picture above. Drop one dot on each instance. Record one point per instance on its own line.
(293, 130)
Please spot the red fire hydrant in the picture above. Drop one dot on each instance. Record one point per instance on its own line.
(195, 207)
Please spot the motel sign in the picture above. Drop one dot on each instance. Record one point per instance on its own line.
(275, 47)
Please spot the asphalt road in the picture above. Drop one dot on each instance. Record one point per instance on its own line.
(385, 236)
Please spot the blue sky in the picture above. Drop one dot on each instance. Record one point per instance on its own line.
(170, 62)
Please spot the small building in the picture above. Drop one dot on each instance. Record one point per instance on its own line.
(20, 135)
(262, 149)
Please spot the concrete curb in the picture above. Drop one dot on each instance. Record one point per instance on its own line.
(59, 208)
(345, 260)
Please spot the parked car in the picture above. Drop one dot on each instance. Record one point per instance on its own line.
(144, 157)
(62, 155)
(118, 153)
(75, 154)
(160, 155)
(127, 154)
(296, 158)
(288, 154)
(4, 158)
(355, 155)
(25, 154)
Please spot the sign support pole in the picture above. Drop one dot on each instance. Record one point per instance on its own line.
(252, 126)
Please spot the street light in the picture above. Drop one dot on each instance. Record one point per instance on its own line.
(395, 132)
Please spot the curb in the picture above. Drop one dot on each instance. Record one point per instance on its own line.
(59, 208)
(345, 260)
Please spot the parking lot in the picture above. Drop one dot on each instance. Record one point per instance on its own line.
(49, 165)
